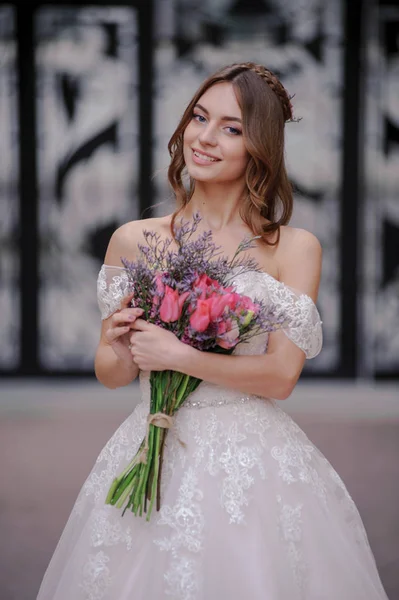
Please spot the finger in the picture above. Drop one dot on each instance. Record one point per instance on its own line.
(115, 332)
(127, 315)
(136, 337)
(141, 325)
(134, 312)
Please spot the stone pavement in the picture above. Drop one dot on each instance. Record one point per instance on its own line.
(51, 432)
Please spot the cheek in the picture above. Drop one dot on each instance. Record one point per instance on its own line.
(188, 139)
(239, 156)
(189, 134)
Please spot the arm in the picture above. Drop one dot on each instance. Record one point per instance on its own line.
(111, 370)
(276, 373)
(113, 364)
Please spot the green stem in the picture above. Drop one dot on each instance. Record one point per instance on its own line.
(182, 389)
(176, 379)
(142, 484)
(126, 484)
(150, 472)
(131, 465)
(136, 499)
(123, 497)
(163, 436)
(142, 481)
(115, 483)
(155, 478)
(160, 394)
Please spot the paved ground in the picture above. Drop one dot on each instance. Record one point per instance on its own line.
(51, 433)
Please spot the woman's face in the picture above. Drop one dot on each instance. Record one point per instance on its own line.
(213, 146)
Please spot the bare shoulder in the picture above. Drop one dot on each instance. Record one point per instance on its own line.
(299, 258)
(124, 241)
(295, 239)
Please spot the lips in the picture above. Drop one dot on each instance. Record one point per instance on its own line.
(203, 158)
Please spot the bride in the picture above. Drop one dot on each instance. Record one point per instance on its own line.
(250, 508)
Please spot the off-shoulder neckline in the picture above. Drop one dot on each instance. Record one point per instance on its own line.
(243, 273)
(265, 273)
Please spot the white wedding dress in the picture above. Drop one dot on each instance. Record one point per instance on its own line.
(251, 510)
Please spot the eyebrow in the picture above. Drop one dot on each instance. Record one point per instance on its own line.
(223, 118)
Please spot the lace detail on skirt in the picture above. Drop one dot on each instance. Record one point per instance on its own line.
(96, 576)
(295, 456)
(290, 527)
(184, 541)
(107, 529)
(223, 453)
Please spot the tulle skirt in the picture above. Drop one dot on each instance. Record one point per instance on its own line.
(250, 509)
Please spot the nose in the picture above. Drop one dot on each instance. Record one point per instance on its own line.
(208, 135)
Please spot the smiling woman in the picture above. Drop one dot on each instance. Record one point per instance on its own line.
(248, 507)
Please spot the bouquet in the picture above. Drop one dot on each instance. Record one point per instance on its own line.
(187, 291)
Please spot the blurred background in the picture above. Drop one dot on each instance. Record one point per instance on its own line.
(89, 96)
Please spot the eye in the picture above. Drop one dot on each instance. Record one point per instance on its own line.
(199, 118)
(233, 131)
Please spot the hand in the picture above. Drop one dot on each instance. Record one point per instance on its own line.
(155, 348)
(118, 333)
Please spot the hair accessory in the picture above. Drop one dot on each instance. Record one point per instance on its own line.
(276, 86)
(293, 119)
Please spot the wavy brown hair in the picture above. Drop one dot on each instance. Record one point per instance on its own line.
(266, 107)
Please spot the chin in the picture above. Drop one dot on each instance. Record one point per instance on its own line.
(204, 173)
(204, 177)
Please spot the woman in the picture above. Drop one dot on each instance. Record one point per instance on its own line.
(250, 508)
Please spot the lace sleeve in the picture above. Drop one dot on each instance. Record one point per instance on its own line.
(304, 326)
(112, 285)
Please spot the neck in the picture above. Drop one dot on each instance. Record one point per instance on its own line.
(218, 205)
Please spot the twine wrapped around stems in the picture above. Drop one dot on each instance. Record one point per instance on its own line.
(158, 419)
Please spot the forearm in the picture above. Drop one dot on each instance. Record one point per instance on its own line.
(262, 375)
(111, 371)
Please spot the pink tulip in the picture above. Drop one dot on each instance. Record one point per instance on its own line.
(204, 283)
(223, 326)
(200, 318)
(169, 310)
(232, 300)
(230, 338)
(217, 303)
(247, 304)
(182, 299)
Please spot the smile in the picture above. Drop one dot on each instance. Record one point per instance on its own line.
(203, 159)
